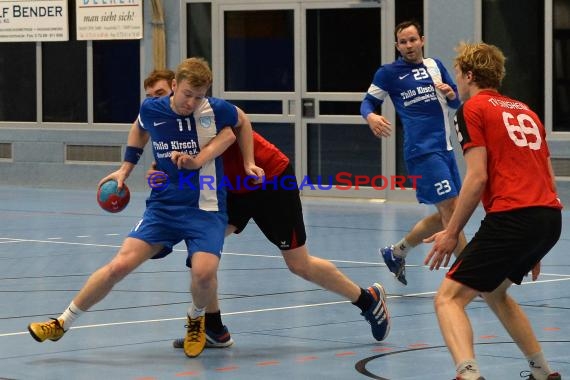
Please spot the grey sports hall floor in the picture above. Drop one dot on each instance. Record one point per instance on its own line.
(284, 327)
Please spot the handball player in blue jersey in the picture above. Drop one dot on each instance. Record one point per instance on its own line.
(278, 213)
(181, 126)
(423, 93)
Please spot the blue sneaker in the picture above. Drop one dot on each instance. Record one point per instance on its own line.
(213, 340)
(397, 265)
(377, 315)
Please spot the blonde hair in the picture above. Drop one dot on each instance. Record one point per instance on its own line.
(196, 71)
(486, 63)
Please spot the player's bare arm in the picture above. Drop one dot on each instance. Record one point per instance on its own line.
(379, 125)
(137, 138)
(446, 89)
(245, 140)
(215, 147)
(469, 197)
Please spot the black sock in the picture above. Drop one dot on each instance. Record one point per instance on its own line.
(214, 321)
(364, 301)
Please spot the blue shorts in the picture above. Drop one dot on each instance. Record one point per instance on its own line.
(202, 231)
(440, 179)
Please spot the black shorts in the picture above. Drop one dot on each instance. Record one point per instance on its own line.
(277, 211)
(508, 245)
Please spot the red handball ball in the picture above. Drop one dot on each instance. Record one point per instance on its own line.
(111, 199)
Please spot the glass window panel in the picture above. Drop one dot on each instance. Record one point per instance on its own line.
(64, 81)
(332, 51)
(401, 168)
(18, 81)
(409, 10)
(116, 81)
(259, 54)
(561, 69)
(199, 35)
(339, 108)
(335, 148)
(523, 45)
(260, 106)
(405, 10)
(280, 135)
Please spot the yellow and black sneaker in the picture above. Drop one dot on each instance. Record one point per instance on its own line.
(214, 339)
(195, 339)
(52, 330)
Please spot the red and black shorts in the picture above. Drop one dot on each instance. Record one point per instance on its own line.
(276, 209)
(507, 246)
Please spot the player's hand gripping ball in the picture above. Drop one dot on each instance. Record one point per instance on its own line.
(111, 199)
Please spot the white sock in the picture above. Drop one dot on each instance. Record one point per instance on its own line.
(402, 248)
(70, 315)
(538, 366)
(194, 312)
(468, 370)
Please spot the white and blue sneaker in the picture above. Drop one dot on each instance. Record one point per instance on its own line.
(377, 315)
(397, 265)
(552, 376)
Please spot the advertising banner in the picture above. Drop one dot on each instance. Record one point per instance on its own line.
(33, 20)
(109, 19)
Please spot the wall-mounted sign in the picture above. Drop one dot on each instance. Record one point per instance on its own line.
(109, 19)
(33, 20)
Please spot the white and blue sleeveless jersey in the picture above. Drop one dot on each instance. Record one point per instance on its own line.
(424, 111)
(172, 132)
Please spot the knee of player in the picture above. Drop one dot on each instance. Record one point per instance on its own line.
(299, 270)
(203, 278)
(440, 300)
(118, 269)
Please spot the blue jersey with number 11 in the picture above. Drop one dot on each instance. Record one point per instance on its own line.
(188, 134)
(423, 109)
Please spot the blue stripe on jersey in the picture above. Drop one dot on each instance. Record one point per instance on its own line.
(424, 111)
(170, 131)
